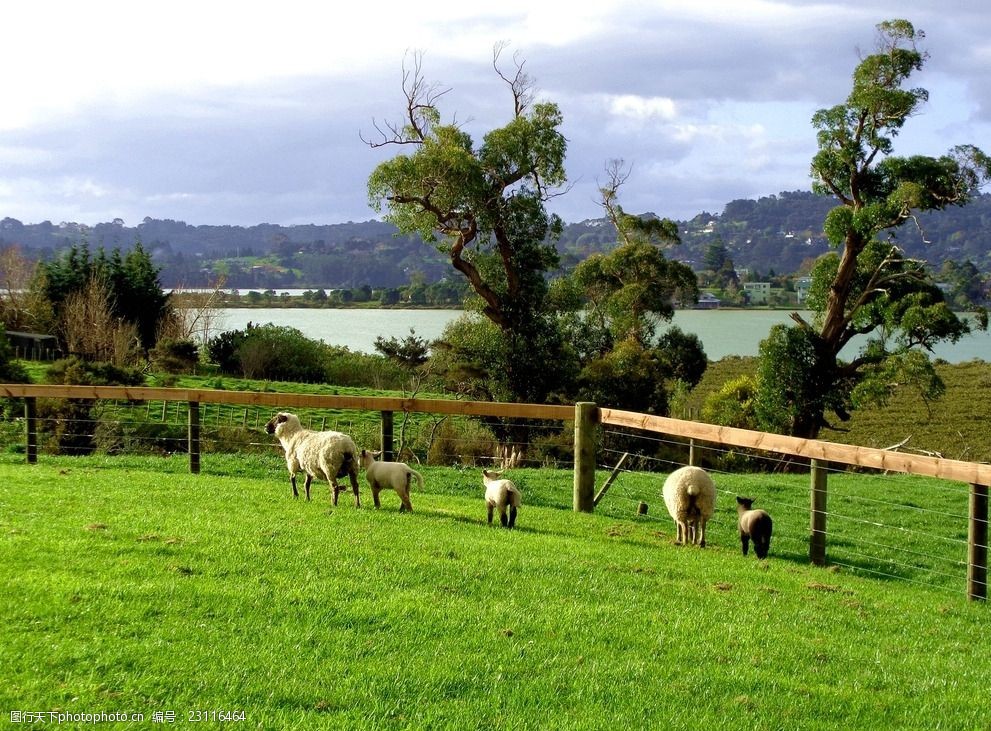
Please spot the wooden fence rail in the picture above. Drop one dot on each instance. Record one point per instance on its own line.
(586, 417)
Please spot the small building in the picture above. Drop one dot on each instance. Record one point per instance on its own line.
(802, 285)
(757, 293)
(707, 301)
(33, 346)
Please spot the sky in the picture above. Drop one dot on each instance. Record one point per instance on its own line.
(239, 113)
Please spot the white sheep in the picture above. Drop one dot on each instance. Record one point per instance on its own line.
(501, 494)
(690, 496)
(323, 454)
(754, 525)
(396, 475)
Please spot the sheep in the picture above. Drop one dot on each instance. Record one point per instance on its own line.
(690, 497)
(501, 494)
(324, 454)
(754, 525)
(396, 475)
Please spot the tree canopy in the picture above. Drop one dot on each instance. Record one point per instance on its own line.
(867, 287)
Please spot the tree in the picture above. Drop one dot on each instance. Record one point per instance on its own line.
(134, 293)
(485, 208)
(867, 287)
(622, 297)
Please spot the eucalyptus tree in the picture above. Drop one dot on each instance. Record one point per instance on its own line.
(866, 287)
(623, 296)
(485, 207)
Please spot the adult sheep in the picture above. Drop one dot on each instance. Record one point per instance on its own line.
(690, 496)
(323, 454)
(397, 475)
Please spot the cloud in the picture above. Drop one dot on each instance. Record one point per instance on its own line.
(246, 112)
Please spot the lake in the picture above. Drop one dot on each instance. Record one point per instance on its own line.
(722, 332)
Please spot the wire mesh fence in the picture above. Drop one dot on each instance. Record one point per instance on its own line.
(889, 526)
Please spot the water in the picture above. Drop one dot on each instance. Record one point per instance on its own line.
(723, 332)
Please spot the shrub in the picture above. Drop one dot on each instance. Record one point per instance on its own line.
(175, 356)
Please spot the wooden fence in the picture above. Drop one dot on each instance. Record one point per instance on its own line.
(586, 417)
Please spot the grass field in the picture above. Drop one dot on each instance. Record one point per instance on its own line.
(132, 586)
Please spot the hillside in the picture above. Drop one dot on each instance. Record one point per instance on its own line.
(955, 426)
(776, 232)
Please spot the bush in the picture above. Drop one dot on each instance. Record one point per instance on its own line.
(273, 352)
(175, 356)
(72, 423)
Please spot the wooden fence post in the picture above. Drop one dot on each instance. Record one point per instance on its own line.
(194, 437)
(387, 453)
(585, 418)
(31, 424)
(817, 537)
(977, 544)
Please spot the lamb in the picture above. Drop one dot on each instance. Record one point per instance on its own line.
(324, 454)
(501, 494)
(396, 475)
(754, 525)
(690, 496)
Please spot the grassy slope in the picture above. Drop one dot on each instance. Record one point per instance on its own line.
(129, 584)
(956, 426)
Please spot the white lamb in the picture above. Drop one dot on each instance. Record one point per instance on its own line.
(690, 496)
(396, 475)
(501, 494)
(323, 454)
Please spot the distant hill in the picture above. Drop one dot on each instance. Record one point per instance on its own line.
(776, 232)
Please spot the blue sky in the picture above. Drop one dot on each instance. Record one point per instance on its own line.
(248, 112)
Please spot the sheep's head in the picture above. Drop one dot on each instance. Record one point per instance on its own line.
(490, 475)
(746, 503)
(280, 422)
(367, 457)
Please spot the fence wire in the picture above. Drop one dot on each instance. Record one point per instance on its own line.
(891, 527)
(888, 526)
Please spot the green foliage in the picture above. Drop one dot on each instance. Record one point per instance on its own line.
(175, 356)
(870, 288)
(276, 352)
(410, 352)
(733, 404)
(11, 371)
(629, 376)
(794, 385)
(131, 280)
(484, 207)
(68, 425)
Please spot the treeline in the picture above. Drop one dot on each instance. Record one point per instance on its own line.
(774, 234)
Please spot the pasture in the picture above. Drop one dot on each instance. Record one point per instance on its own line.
(130, 585)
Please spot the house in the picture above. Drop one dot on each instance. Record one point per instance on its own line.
(757, 293)
(707, 301)
(802, 285)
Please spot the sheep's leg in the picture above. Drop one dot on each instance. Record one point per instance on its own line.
(700, 533)
(292, 481)
(306, 485)
(404, 495)
(745, 540)
(512, 516)
(502, 516)
(680, 532)
(490, 514)
(375, 496)
(335, 490)
(353, 474)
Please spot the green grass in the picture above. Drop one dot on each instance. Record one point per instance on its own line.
(131, 585)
